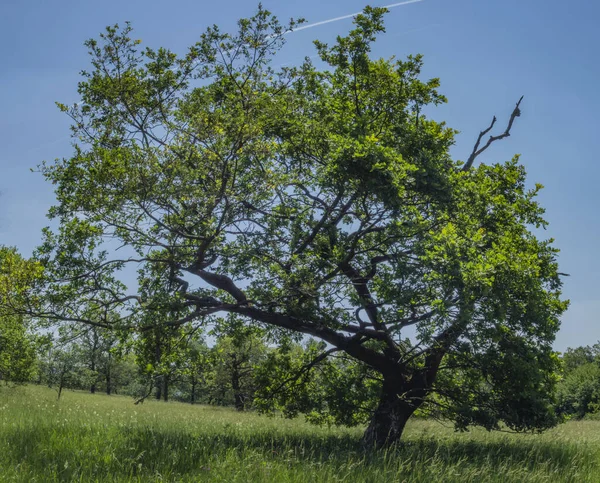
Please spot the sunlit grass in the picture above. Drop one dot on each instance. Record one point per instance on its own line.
(100, 438)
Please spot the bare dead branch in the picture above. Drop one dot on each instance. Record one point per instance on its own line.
(477, 150)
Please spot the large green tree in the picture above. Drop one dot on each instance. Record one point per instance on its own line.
(308, 201)
(96, 346)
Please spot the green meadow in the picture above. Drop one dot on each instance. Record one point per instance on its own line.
(101, 438)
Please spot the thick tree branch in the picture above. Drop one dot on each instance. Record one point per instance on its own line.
(222, 282)
(348, 344)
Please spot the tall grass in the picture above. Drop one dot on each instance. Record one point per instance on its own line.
(91, 438)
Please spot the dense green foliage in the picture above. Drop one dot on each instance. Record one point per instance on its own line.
(17, 350)
(573, 358)
(17, 341)
(86, 437)
(306, 201)
(579, 390)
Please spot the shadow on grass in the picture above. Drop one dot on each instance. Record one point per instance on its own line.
(134, 451)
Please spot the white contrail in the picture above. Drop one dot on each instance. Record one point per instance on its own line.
(336, 19)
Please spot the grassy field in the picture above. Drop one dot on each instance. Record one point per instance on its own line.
(100, 438)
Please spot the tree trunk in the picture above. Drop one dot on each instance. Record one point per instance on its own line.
(390, 417)
(93, 369)
(238, 397)
(108, 380)
(159, 388)
(165, 382)
(61, 383)
(157, 357)
(239, 401)
(93, 359)
(193, 395)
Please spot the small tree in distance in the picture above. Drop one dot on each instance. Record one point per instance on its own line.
(310, 202)
(63, 368)
(238, 350)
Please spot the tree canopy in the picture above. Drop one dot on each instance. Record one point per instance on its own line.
(308, 201)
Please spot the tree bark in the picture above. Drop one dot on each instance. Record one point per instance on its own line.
(61, 383)
(390, 417)
(157, 357)
(238, 396)
(108, 380)
(239, 401)
(93, 369)
(193, 395)
(165, 382)
(159, 388)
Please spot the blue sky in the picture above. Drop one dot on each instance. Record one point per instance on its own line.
(487, 53)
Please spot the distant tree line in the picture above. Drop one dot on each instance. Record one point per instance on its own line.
(95, 360)
(578, 392)
(233, 365)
